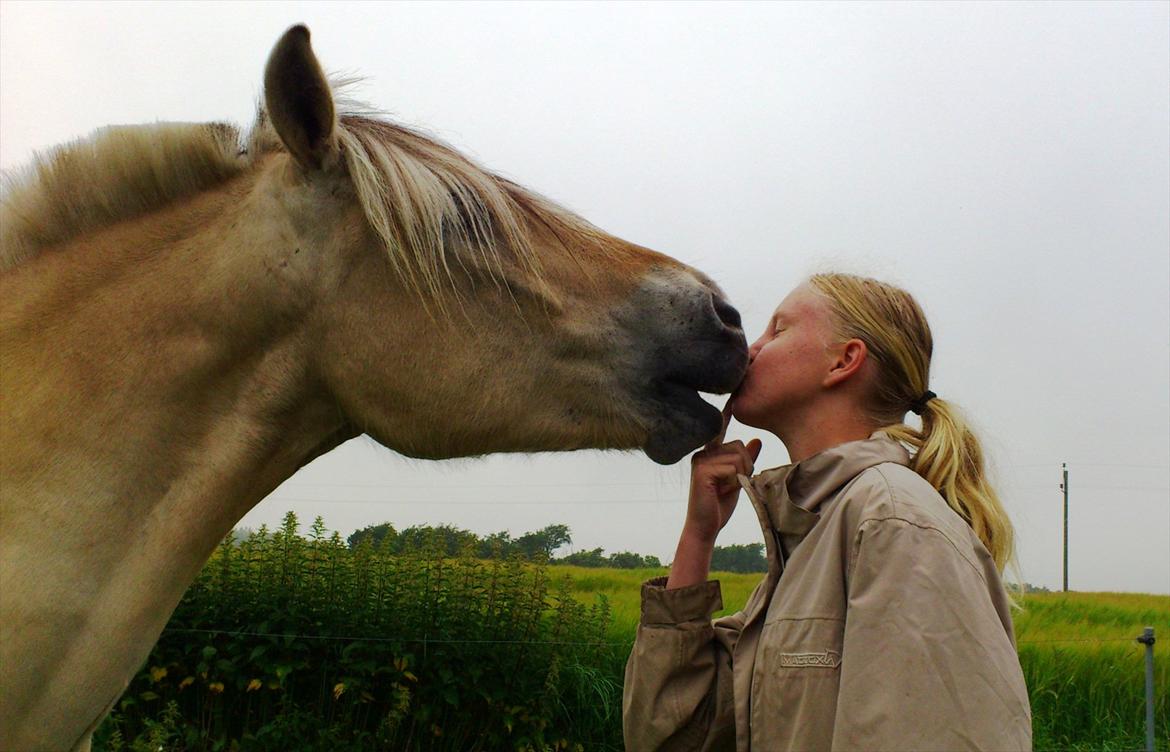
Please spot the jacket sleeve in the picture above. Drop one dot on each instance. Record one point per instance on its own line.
(678, 684)
(926, 662)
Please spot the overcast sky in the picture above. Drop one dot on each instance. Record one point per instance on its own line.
(1007, 163)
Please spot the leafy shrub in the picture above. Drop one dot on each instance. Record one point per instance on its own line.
(288, 642)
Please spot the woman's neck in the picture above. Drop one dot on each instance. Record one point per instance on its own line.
(823, 428)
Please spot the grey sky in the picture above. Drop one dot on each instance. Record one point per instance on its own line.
(1008, 163)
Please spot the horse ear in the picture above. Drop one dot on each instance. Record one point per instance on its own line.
(298, 99)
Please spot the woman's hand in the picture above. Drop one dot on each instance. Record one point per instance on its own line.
(715, 486)
(714, 493)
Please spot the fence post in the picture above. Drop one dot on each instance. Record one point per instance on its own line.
(1147, 638)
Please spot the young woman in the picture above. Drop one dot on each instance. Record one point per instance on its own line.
(883, 622)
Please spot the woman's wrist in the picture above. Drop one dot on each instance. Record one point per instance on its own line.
(698, 537)
(692, 559)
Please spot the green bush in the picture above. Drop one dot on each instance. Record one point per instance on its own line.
(287, 642)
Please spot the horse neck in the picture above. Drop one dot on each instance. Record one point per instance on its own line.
(156, 387)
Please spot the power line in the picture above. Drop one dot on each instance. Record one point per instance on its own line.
(1052, 465)
(1039, 642)
(1096, 487)
(1120, 464)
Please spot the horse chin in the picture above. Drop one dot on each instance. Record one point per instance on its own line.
(686, 422)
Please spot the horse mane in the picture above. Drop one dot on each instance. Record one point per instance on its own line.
(429, 204)
(119, 172)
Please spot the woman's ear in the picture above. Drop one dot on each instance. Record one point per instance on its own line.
(848, 360)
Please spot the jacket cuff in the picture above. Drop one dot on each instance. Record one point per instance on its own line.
(668, 607)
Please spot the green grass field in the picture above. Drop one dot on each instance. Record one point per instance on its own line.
(1084, 670)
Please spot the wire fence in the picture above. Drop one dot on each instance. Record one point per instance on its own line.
(616, 643)
(397, 640)
(1147, 638)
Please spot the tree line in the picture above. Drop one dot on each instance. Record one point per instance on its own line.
(538, 545)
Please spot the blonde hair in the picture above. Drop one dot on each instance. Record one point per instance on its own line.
(945, 452)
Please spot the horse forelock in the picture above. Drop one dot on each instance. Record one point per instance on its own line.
(432, 208)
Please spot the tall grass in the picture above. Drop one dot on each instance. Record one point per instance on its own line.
(1084, 670)
(622, 588)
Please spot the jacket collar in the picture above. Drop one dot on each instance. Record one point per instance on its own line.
(789, 499)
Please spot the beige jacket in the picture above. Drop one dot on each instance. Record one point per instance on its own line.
(882, 624)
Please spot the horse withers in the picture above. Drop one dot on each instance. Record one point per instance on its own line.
(186, 318)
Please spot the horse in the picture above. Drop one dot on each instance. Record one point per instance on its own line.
(190, 313)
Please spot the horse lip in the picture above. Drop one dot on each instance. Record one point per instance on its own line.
(685, 422)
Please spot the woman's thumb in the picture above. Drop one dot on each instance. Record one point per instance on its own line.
(755, 446)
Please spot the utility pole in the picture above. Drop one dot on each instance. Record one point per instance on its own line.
(1064, 487)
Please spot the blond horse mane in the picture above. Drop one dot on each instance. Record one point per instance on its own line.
(117, 173)
(423, 199)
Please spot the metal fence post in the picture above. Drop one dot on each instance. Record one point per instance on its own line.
(1147, 638)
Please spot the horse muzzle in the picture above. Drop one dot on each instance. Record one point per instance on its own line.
(692, 342)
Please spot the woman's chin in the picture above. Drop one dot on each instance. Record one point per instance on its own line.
(744, 414)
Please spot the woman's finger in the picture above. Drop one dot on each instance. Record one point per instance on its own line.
(738, 454)
(726, 467)
(734, 453)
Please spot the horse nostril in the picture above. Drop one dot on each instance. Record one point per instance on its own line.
(727, 313)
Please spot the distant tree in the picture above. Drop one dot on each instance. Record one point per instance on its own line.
(448, 539)
(591, 558)
(496, 546)
(556, 536)
(375, 534)
(625, 560)
(739, 558)
(539, 545)
(630, 560)
(622, 560)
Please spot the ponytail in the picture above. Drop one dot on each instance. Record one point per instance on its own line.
(945, 451)
(948, 455)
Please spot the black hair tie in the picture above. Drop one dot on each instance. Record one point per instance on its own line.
(918, 406)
